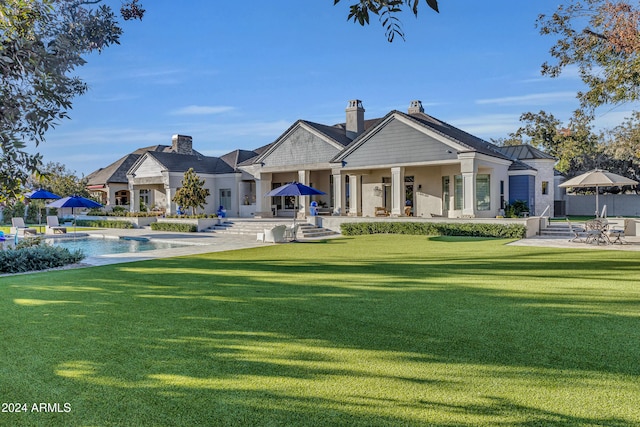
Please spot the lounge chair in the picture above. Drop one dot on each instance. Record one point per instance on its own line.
(53, 226)
(275, 234)
(20, 228)
(577, 231)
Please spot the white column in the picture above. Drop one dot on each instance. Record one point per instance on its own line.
(397, 191)
(338, 194)
(353, 195)
(169, 206)
(303, 178)
(263, 186)
(134, 205)
(469, 170)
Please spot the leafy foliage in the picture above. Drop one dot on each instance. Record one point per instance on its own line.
(172, 226)
(516, 231)
(36, 257)
(100, 223)
(192, 194)
(387, 11)
(55, 177)
(42, 42)
(602, 38)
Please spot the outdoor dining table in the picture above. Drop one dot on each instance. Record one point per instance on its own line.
(597, 232)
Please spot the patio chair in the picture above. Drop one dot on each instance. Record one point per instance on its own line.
(291, 232)
(577, 231)
(20, 228)
(53, 226)
(613, 232)
(275, 234)
(381, 211)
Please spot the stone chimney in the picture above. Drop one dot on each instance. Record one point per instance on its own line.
(355, 118)
(416, 107)
(182, 144)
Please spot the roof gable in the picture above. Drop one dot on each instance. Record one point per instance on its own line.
(302, 143)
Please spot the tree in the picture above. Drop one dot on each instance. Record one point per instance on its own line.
(55, 177)
(602, 38)
(41, 43)
(192, 194)
(621, 148)
(387, 10)
(574, 145)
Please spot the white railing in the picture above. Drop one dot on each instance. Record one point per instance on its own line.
(604, 212)
(546, 211)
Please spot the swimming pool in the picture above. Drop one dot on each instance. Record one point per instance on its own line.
(91, 247)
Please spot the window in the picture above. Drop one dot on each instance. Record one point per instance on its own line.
(445, 193)
(483, 193)
(458, 194)
(545, 187)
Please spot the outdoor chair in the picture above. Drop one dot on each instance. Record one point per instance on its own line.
(614, 233)
(291, 232)
(577, 231)
(275, 234)
(20, 228)
(381, 211)
(53, 226)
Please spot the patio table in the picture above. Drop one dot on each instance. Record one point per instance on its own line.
(597, 232)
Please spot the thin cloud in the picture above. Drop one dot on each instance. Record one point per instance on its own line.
(531, 99)
(201, 110)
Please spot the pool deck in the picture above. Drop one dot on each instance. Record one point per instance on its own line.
(197, 243)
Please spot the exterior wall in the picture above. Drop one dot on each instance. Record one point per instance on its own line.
(545, 174)
(408, 146)
(301, 147)
(522, 187)
(617, 204)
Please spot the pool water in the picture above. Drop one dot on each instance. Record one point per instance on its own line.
(94, 247)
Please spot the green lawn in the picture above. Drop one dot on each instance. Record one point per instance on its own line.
(371, 330)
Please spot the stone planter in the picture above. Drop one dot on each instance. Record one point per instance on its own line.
(201, 223)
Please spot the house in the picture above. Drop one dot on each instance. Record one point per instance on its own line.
(403, 164)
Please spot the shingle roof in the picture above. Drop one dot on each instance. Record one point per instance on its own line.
(174, 162)
(237, 157)
(116, 172)
(458, 135)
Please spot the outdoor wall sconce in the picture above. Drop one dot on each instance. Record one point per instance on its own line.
(377, 191)
(419, 187)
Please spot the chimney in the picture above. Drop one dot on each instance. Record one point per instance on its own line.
(416, 107)
(355, 119)
(182, 144)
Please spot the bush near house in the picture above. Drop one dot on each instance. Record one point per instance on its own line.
(101, 223)
(33, 254)
(170, 226)
(513, 231)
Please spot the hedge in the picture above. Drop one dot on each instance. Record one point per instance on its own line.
(39, 257)
(103, 223)
(174, 226)
(514, 231)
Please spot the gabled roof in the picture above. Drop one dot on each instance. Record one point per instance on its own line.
(174, 162)
(116, 172)
(237, 157)
(456, 134)
(525, 152)
(473, 143)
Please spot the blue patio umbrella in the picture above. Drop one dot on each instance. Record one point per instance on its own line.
(294, 189)
(74, 202)
(41, 195)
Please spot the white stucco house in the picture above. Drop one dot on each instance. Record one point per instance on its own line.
(400, 164)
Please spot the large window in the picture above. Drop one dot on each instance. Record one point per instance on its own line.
(458, 193)
(483, 193)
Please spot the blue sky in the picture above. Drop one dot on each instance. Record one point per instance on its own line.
(236, 74)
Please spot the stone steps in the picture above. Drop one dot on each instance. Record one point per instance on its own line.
(556, 229)
(255, 226)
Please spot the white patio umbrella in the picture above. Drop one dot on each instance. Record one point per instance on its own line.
(598, 178)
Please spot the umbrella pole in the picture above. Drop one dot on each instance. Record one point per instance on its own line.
(597, 204)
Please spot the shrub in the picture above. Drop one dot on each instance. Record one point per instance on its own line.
(103, 223)
(516, 208)
(37, 257)
(514, 231)
(170, 226)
